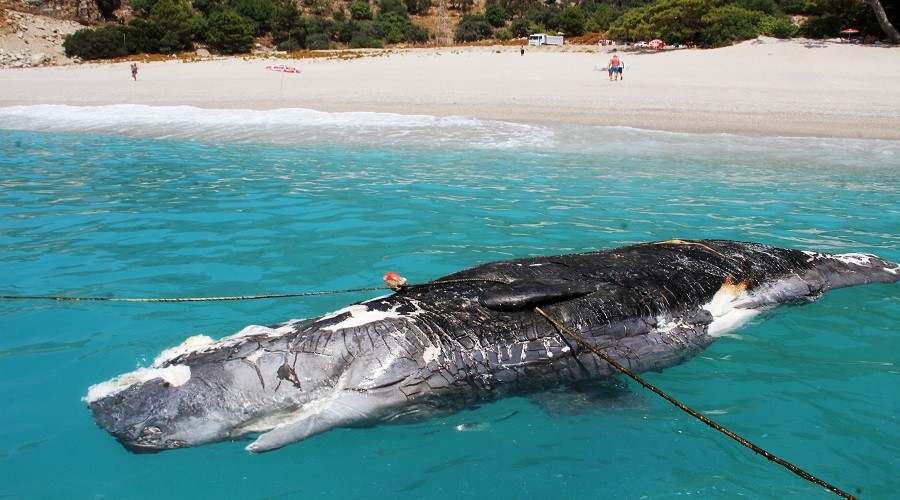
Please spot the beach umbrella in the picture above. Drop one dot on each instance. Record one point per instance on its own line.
(282, 68)
(656, 43)
(849, 31)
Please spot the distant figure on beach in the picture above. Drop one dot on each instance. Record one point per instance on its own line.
(621, 69)
(614, 65)
(134, 70)
(522, 50)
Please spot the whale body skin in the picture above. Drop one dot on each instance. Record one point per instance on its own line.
(464, 339)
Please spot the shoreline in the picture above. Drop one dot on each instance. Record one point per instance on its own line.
(764, 87)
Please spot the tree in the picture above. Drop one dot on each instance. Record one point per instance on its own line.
(883, 20)
(102, 43)
(229, 32)
(396, 6)
(361, 10)
(473, 27)
(495, 14)
(602, 17)
(258, 11)
(175, 22)
(285, 18)
(420, 7)
(572, 21)
(728, 24)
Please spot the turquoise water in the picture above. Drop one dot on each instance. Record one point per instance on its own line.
(131, 201)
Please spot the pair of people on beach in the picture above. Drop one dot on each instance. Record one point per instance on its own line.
(615, 68)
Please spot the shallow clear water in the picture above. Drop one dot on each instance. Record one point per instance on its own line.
(133, 201)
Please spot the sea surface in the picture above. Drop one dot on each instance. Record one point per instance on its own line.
(137, 201)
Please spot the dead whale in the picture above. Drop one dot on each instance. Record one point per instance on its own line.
(464, 339)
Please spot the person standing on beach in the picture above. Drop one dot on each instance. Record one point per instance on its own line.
(522, 49)
(614, 67)
(621, 69)
(134, 70)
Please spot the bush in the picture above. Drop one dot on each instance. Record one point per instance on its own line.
(729, 24)
(318, 41)
(396, 6)
(175, 23)
(258, 11)
(289, 45)
(361, 10)
(473, 27)
(361, 41)
(103, 43)
(285, 19)
(415, 34)
(572, 21)
(420, 7)
(496, 14)
(602, 17)
(229, 32)
(504, 35)
(779, 27)
(520, 27)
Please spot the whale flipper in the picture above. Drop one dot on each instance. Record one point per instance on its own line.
(344, 411)
(525, 294)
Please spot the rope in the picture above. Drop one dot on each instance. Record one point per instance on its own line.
(184, 299)
(236, 297)
(756, 449)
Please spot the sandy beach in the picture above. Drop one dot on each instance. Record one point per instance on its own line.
(761, 87)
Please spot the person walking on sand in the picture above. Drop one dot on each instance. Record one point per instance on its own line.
(614, 67)
(621, 69)
(134, 70)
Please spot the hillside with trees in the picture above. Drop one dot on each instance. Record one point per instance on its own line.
(234, 26)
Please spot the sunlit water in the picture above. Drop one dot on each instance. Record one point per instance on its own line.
(134, 201)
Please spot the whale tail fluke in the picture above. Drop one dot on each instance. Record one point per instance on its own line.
(851, 269)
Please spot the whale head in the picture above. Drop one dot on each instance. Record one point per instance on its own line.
(203, 391)
(286, 383)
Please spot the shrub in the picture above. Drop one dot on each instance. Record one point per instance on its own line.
(473, 27)
(229, 32)
(779, 27)
(102, 43)
(728, 24)
(361, 41)
(289, 45)
(420, 7)
(602, 17)
(361, 10)
(572, 21)
(496, 14)
(520, 27)
(285, 18)
(259, 11)
(415, 34)
(504, 35)
(175, 22)
(318, 41)
(396, 6)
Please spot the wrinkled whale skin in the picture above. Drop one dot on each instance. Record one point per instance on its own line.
(464, 339)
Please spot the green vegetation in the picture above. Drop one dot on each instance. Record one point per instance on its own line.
(229, 26)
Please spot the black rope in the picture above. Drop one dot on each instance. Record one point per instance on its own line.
(756, 449)
(183, 299)
(236, 297)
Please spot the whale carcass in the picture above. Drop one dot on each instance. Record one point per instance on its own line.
(464, 339)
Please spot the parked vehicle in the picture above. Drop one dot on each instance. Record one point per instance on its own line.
(544, 39)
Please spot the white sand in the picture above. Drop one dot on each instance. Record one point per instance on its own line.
(763, 87)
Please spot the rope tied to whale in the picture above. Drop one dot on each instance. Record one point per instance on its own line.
(397, 283)
(756, 449)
